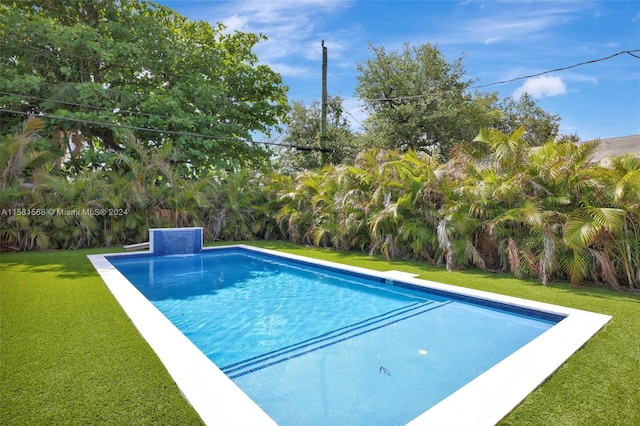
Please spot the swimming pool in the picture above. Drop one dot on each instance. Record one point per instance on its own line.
(357, 347)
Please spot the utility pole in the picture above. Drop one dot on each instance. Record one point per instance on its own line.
(323, 123)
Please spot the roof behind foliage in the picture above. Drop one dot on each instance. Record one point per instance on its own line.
(617, 146)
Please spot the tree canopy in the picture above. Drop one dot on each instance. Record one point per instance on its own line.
(539, 125)
(419, 100)
(141, 69)
(304, 130)
(415, 97)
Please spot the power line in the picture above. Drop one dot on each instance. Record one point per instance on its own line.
(426, 95)
(111, 110)
(623, 52)
(400, 98)
(168, 132)
(184, 120)
(355, 119)
(59, 55)
(123, 126)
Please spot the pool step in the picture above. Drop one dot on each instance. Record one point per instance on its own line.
(330, 338)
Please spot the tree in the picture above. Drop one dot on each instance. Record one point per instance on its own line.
(622, 180)
(539, 125)
(19, 159)
(142, 66)
(20, 162)
(303, 132)
(418, 100)
(233, 197)
(408, 211)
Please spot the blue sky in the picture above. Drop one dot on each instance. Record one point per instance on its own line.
(499, 40)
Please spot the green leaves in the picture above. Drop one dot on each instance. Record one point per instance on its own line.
(17, 157)
(416, 98)
(303, 132)
(139, 65)
(509, 150)
(591, 224)
(419, 100)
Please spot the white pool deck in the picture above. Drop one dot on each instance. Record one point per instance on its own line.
(483, 401)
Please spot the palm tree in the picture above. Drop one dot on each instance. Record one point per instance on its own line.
(475, 190)
(72, 222)
(353, 204)
(296, 215)
(185, 197)
(232, 205)
(19, 163)
(508, 151)
(582, 220)
(325, 228)
(140, 184)
(272, 186)
(407, 222)
(19, 158)
(620, 177)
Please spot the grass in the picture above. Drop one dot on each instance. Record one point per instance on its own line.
(69, 353)
(71, 356)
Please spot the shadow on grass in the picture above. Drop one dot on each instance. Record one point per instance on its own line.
(67, 264)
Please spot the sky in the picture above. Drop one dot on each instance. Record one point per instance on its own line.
(497, 41)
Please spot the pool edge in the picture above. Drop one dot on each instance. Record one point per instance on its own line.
(483, 401)
(494, 394)
(215, 398)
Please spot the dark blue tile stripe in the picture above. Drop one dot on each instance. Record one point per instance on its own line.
(310, 348)
(322, 337)
(549, 317)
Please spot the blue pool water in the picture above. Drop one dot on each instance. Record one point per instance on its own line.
(317, 346)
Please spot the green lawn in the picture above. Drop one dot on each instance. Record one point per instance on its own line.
(69, 355)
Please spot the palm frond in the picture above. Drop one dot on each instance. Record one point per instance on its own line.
(575, 262)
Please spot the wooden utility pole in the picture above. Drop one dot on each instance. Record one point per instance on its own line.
(323, 123)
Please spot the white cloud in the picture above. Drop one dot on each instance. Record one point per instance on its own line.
(235, 23)
(291, 28)
(517, 23)
(541, 87)
(491, 40)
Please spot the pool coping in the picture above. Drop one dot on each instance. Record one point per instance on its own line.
(483, 401)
